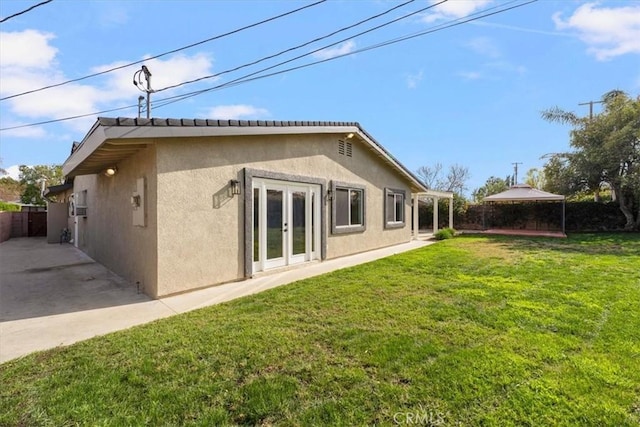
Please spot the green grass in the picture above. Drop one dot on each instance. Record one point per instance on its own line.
(470, 331)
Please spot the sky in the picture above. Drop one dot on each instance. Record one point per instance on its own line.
(469, 94)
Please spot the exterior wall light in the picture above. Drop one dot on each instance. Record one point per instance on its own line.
(234, 185)
(110, 171)
(350, 135)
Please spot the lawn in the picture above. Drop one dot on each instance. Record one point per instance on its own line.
(470, 331)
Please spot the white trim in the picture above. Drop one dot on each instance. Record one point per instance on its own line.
(126, 135)
(312, 233)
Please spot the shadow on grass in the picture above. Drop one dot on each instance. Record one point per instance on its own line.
(619, 244)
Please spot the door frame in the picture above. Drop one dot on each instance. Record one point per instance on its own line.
(247, 177)
(287, 213)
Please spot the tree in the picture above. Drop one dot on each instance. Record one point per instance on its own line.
(535, 178)
(493, 185)
(33, 179)
(606, 149)
(10, 189)
(455, 181)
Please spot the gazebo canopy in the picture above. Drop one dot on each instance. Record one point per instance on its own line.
(523, 193)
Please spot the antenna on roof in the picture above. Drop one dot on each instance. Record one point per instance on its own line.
(137, 82)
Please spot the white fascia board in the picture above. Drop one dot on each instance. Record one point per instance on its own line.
(89, 144)
(383, 153)
(436, 193)
(136, 132)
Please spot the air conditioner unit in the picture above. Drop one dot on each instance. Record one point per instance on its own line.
(78, 204)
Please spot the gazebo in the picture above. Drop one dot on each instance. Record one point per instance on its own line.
(518, 195)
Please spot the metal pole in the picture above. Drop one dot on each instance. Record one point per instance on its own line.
(435, 215)
(147, 75)
(590, 104)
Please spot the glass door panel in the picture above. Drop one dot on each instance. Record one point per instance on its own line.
(275, 212)
(286, 223)
(298, 223)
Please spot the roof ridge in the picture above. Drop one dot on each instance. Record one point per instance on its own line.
(164, 122)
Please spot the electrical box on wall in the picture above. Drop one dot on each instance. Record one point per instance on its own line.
(138, 203)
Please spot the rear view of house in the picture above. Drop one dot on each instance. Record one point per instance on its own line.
(176, 205)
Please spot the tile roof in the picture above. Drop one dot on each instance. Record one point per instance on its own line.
(128, 121)
(213, 123)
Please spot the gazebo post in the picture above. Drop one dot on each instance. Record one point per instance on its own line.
(563, 215)
(435, 215)
(451, 212)
(416, 216)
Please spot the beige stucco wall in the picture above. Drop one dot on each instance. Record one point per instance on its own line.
(200, 228)
(107, 234)
(57, 219)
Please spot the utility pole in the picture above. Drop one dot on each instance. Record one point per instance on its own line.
(140, 99)
(515, 166)
(590, 104)
(137, 82)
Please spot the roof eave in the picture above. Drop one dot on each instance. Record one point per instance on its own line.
(138, 132)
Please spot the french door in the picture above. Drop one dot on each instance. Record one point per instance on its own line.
(286, 223)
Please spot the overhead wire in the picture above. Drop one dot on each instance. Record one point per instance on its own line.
(291, 49)
(377, 27)
(244, 65)
(251, 77)
(24, 11)
(237, 30)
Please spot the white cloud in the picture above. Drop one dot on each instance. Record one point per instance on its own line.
(494, 70)
(414, 79)
(26, 49)
(484, 46)
(238, 111)
(164, 72)
(608, 32)
(470, 75)
(21, 73)
(453, 9)
(13, 172)
(342, 49)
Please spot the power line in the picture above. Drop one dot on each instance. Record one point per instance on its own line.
(246, 79)
(316, 50)
(273, 18)
(25, 11)
(249, 77)
(66, 119)
(290, 49)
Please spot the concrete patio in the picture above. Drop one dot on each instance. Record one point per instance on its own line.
(54, 295)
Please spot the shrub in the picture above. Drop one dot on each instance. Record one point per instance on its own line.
(445, 233)
(9, 207)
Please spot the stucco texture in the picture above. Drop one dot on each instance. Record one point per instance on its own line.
(200, 237)
(107, 233)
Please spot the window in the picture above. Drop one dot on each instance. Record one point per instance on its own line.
(394, 208)
(348, 214)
